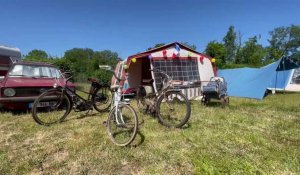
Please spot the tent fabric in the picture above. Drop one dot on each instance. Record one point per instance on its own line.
(253, 82)
(288, 63)
(249, 82)
(280, 79)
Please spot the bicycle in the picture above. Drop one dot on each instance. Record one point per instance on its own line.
(166, 103)
(122, 122)
(54, 105)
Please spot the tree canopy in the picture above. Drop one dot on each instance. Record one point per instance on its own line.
(230, 44)
(284, 41)
(216, 50)
(36, 55)
(81, 62)
(187, 44)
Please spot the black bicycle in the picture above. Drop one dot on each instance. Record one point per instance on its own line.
(54, 105)
(169, 104)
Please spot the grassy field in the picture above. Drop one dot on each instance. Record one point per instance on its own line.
(248, 137)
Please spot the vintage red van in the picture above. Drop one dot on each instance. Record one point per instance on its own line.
(22, 81)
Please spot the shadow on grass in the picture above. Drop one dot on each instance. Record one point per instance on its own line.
(139, 139)
(83, 116)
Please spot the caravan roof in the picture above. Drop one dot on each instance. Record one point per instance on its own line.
(11, 52)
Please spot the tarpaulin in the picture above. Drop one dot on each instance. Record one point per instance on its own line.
(253, 82)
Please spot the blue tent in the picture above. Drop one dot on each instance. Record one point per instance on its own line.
(253, 82)
(280, 79)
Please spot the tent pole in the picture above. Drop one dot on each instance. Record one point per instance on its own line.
(284, 75)
(275, 82)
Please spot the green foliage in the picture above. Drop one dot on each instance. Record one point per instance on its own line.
(156, 46)
(230, 44)
(37, 55)
(80, 62)
(252, 53)
(62, 64)
(216, 50)
(284, 41)
(191, 46)
(105, 57)
(85, 63)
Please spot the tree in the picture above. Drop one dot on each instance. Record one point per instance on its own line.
(239, 46)
(156, 46)
(36, 55)
(192, 46)
(284, 41)
(216, 50)
(230, 44)
(63, 64)
(252, 53)
(79, 59)
(105, 57)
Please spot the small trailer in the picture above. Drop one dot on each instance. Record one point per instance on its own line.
(216, 88)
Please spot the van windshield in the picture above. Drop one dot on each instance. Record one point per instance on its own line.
(34, 71)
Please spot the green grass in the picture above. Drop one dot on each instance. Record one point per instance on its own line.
(248, 137)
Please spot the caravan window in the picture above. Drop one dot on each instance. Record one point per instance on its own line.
(296, 77)
(183, 70)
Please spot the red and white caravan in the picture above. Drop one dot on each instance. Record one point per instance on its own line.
(191, 70)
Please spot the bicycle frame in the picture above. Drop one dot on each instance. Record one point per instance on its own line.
(116, 103)
(163, 90)
(117, 97)
(71, 93)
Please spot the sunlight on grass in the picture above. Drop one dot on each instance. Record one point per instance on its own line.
(247, 137)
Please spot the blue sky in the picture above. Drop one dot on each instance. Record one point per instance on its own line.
(131, 26)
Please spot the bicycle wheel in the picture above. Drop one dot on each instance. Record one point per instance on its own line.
(122, 128)
(51, 107)
(173, 109)
(102, 99)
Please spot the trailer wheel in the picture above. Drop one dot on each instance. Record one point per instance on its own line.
(204, 101)
(225, 101)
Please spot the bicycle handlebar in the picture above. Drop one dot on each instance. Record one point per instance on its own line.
(108, 68)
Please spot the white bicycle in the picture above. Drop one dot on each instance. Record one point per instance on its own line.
(122, 122)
